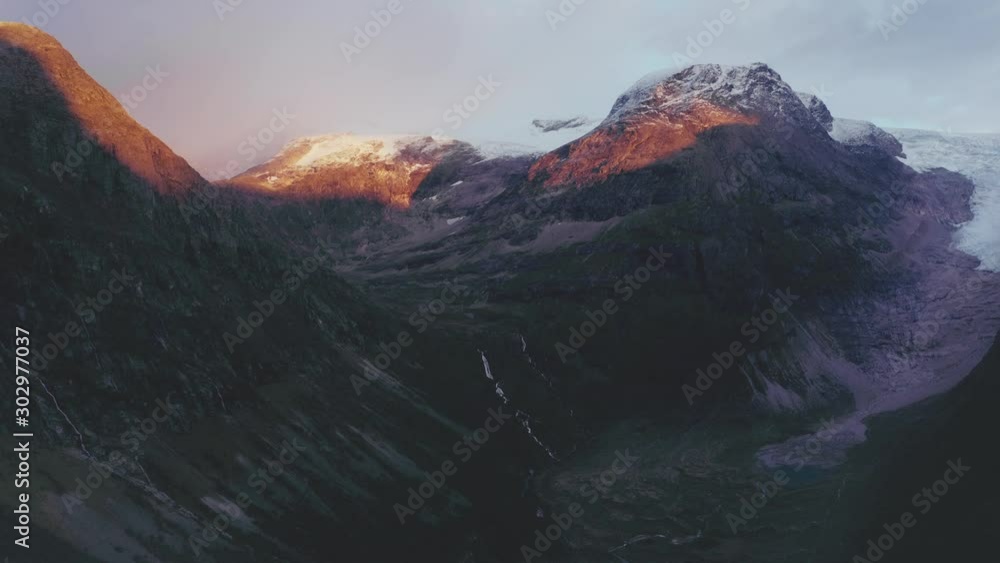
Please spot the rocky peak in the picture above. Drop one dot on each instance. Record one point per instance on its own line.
(665, 113)
(749, 90)
(818, 110)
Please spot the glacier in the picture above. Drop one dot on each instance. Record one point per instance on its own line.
(976, 156)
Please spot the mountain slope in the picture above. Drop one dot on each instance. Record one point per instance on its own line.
(665, 113)
(85, 131)
(712, 192)
(136, 298)
(744, 211)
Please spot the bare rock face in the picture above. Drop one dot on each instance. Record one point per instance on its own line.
(818, 110)
(387, 169)
(58, 121)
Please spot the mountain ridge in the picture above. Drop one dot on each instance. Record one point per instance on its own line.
(47, 80)
(387, 169)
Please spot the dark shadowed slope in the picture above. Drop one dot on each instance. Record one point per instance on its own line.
(129, 292)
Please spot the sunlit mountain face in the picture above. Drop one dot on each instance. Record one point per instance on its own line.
(632, 144)
(384, 169)
(719, 325)
(43, 79)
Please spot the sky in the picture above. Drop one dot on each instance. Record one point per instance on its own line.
(222, 68)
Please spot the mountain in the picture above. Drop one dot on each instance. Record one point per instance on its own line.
(664, 114)
(691, 288)
(386, 169)
(86, 132)
(149, 293)
(779, 200)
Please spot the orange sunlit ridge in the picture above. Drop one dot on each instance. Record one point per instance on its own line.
(633, 145)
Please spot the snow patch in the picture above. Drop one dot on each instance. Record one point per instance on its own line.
(348, 148)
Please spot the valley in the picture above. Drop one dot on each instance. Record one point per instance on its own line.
(446, 353)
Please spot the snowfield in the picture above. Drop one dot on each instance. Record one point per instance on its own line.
(975, 156)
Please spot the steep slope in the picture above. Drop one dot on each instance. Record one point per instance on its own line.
(85, 131)
(139, 302)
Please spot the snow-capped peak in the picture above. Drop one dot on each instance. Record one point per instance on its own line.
(754, 90)
(386, 168)
(348, 148)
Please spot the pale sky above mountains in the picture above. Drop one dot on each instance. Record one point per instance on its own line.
(223, 72)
